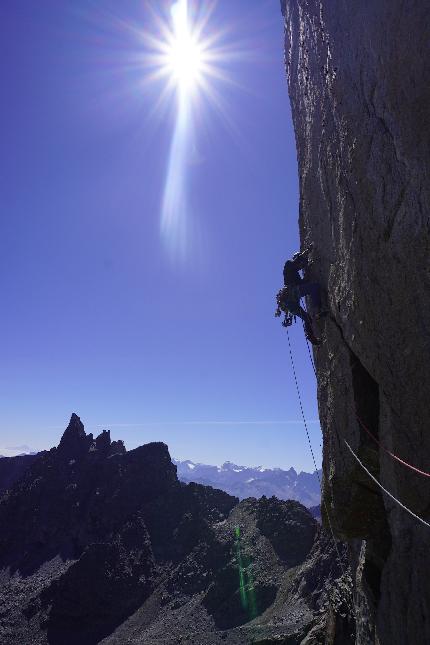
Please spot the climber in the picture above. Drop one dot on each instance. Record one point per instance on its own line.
(295, 288)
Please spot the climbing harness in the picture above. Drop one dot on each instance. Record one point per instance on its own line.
(288, 302)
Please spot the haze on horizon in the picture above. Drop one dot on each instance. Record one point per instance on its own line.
(148, 208)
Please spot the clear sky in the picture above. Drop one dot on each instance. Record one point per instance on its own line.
(112, 307)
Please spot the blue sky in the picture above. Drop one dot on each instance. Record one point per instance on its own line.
(100, 315)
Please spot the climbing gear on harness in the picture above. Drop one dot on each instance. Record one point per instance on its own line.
(288, 320)
(288, 301)
(295, 288)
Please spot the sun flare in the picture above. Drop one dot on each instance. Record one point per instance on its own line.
(184, 52)
(188, 56)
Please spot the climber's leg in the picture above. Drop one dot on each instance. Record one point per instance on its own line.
(307, 324)
(313, 290)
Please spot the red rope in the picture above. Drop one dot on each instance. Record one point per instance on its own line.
(372, 436)
(405, 463)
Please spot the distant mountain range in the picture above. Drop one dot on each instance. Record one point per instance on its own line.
(245, 481)
(240, 481)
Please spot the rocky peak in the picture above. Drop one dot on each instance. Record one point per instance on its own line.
(103, 440)
(229, 465)
(117, 448)
(75, 442)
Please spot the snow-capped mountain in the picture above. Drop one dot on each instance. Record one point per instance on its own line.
(244, 481)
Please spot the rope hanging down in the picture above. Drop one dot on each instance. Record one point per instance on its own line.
(312, 453)
(372, 436)
(405, 508)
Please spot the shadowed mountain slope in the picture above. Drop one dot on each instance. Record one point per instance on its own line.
(102, 545)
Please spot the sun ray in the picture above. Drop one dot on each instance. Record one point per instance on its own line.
(190, 57)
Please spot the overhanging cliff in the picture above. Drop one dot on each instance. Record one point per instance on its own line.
(359, 84)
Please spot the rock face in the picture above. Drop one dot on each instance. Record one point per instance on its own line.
(100, 545)
(358, 76)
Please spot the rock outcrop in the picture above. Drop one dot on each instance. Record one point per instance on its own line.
(359, 84)
(100, 545)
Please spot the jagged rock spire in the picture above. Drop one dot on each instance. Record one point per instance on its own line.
(103, 440)
(75, 441)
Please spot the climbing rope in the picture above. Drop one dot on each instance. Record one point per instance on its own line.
(421, 472)
(371, 435)
(405, 508)
(312, 453)
(392, 454)
(384, 490)
(310, 355)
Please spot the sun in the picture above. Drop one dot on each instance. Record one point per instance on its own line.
(188, 56)
(182, 54)
(185, 55)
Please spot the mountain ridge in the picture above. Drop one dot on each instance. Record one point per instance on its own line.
(239, 481)
(254, 481)
(101, 545)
